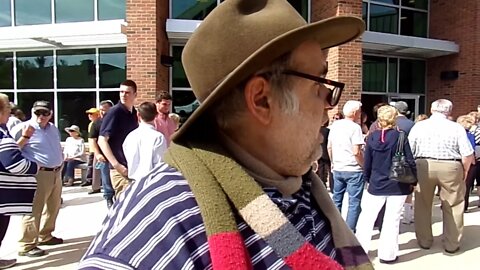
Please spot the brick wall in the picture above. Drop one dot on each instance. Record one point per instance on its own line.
(344, 62)
(458, 21)
(146, 42)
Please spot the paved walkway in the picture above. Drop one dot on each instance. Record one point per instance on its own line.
(82, 215)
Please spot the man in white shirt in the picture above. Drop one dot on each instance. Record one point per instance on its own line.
(443, 155)
(345, 142)
(144, 147)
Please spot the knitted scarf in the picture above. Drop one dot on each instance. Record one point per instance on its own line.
(222, 189)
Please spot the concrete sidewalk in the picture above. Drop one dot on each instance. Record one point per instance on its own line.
(82, 215)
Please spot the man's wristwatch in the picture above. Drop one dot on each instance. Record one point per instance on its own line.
(26, 137)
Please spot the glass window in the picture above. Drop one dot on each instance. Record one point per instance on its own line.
(421, 4)
(412, 76)
(76, 69)
(184, 103)
(365, 14)
(35, 70)
(192, 9)
(179, 79)
(383, 19)
(392, 2)
(301, 6)
(73, 11)
(71, 111)
(112, 9)
(112, 67)
(28, 12)
(392, 74)
(5, 16)
(414, 23)
(25, 101)
(10, 95)
(114, 96)
(6, 71)
(374, 74)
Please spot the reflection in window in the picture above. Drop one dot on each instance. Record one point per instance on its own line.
(28, 12)
(73, 11)
(392, 74)
(374, 74)
(35, 70)
(365, 14)
(301, 6)
(71, 111)
(392, 2)
(179, 79)
(420, 4)
(383, 19)
(413, 23)
(192, 9)
(112, 67)
(112, 9)
(412, 76)
(25, 101)
(5, 17)
(184, 103)
(76, 68)
(6, 71)
(114, 96)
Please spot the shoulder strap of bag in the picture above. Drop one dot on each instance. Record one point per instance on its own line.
(400, 143)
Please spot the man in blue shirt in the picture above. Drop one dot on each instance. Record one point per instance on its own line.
(117, 123)
(403, 123)
(42, 146)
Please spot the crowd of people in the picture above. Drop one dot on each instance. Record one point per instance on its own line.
(441, 153)
(234, 187)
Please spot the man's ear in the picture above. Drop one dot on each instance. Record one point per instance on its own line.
(258, 99)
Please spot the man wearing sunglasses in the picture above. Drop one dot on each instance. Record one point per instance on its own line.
(40, 142)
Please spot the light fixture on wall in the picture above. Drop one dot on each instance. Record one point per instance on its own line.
(448, 75)
(166, 60)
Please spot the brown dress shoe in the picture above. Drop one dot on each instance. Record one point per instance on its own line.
(53, 241)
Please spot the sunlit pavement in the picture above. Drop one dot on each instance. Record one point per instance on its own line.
(82, 215)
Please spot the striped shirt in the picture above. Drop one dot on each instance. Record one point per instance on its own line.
(157, 224)
(17, 177)
(439, 138)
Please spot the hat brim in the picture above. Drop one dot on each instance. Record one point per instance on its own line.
(328, 33)
(41, 108)
(72, 130)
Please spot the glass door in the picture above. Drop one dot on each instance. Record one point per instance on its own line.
(412, 101)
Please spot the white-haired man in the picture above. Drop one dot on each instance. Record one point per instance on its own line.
(345, 142)
(443, 155)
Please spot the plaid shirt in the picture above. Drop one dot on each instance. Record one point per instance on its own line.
(439, 138)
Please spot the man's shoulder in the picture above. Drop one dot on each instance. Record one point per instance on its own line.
(160, 206)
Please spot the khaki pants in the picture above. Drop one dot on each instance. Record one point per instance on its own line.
(449, 176)
(96, 177)
(46, 205)
(119, 182)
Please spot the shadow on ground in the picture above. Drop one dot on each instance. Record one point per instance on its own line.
(68, 253)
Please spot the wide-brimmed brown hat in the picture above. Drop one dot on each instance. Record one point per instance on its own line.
(239, 37)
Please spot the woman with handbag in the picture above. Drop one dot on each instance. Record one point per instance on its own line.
(389, 163)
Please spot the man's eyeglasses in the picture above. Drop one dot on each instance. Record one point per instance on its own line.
(335, 88)
(43, 113)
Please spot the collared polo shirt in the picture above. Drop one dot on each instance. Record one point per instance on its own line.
(44, 146)
(116, 125)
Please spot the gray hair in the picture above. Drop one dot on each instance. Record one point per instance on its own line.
(443, 106)
(233, 105)
(351, 107)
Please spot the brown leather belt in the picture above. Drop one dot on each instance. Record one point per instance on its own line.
(50, 169)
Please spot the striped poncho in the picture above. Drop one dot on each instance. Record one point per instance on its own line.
(17, 177)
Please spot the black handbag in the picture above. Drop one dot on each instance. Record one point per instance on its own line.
(400, 170)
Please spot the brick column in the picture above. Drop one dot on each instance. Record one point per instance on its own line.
(146, 42)
(458, 21)
(344, 62)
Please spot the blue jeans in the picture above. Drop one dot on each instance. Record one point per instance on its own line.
(353, 183)
(108, 191)
(68, 171)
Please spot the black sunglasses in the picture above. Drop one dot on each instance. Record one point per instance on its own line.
(43, 113)
(336, 88)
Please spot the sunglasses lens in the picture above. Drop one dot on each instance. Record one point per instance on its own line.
(43, 113)
(334, 96)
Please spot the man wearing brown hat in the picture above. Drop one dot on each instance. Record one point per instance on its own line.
(237, 191)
